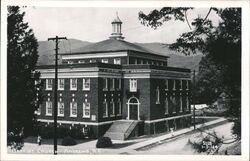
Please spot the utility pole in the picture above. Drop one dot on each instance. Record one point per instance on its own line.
(194, 98)
(55, 90)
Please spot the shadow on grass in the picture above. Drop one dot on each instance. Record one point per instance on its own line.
(33, 140)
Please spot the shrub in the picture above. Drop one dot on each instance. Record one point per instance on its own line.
(68, 141)
(103, 142)
(76, 133)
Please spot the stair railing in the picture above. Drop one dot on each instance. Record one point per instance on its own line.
(130, 129)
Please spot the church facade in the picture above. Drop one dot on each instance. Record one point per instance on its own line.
(116, 80)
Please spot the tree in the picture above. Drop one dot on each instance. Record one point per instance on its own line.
(220, 68)
(23, 94)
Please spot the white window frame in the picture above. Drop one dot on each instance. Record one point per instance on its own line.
(60, 84)
(112, 108)
(71, 109)
(187, 103)
(133, 85)
(117, 61)
(174, 104)
(166, 106)
(85, 107)
(86, 84)
(174, 85)
(180, 85)
(49, 107)
(105, 83)
(187, 85)
(49, 84)
(119, 105)
(181, 107)
(166, 83)
(60, 105)
(105, 61)
(105, 103)
(72, 88)
(112, 87)
(119, 84)
(157, 95)
(81, 61)
(70, 62)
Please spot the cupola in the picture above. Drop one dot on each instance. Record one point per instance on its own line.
(116, 28)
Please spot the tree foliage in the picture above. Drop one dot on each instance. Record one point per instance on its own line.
(23, 94)
(220, 67)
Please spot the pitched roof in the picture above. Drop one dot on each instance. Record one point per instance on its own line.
(111, 45)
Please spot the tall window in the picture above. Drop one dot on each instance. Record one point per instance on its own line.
(180, 84)
(173, 103)
(86, 84)
(166, 105)
(73, 109)
(112, 84)
(73, 84)
(119, 84)
(181, 108)
(38, 111)
(166, 84)
(174, 88)
(60, 84)
(86, 109)
(119, 105)
(105, 61)
(133, 85)
(117, 61)
(105, 109)
(187, 103)
(60, 109)
(49, 84)
(112, 108)
(157, 95)
(49, 108)
(105, 84)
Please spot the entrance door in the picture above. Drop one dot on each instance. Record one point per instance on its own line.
(133, 108)
(133, 112)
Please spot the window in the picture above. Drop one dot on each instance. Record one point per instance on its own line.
(81, 61)
(117, 61)
(49, 108)
(133, 85)
(73, 109)
(166, 105)
(38, 111)
(187, 104)
(119, 105)
(157, 95)
(73, 84)
(105, 61)
(187, 84)
(119, 84)
(181, 108)
(174, 85)
(180, 84)
(112, 86)
(86, 109)
(135, 61)
(112, 108)
(86, 84)
(105, 109)
(105, 84)
(70, 62)
(60, 84)
(60, 109)
(166, 84)
(173, 103)
(49, 84)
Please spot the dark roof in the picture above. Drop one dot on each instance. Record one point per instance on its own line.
(111, 45)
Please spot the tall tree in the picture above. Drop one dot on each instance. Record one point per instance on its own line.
(23, 94)
(220, 68)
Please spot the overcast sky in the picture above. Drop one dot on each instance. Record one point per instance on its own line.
(94, 24)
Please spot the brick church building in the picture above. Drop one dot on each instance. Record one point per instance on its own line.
(117, 89)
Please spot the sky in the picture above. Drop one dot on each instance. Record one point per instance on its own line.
(94, 24)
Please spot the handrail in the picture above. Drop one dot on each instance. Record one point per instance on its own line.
(130, 129)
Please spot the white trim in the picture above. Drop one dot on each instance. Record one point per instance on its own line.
(84, 82)
(71, 84)
(47, 84)
(138, 105)
(84, 108)
(59, 81)
(58, 109)
(46, 108)
(77, 122)
(94, 55)
(71, 107)
(169, 118)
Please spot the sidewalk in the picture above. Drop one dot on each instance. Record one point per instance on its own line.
(177, 133)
